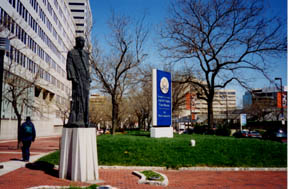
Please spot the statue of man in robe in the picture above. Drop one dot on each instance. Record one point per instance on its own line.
(77, 67)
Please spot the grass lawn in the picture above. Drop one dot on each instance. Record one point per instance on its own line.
(137, 148)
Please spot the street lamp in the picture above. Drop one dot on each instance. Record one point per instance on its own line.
(279, 78)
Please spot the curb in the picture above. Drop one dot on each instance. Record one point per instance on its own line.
(196, 168)
(132, 167)
(67, 187)
(232, 169)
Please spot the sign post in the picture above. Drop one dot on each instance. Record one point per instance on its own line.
(162, 106)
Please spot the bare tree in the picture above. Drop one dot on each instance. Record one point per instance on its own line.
(114, 72)
(21, 74)
(63, 110)
(17, 90)
(180, 88)
(141, 102)
(126, 114)
(100, 112)
(258, 111)
(222, 40)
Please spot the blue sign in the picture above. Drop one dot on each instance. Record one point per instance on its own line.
(162, 108)
(243, 120)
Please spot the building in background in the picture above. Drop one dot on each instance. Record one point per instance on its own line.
(81, 13)
(196, 109)
(82, 16)
(247, 99)
(265, 103)
(41, 33)
(264, 97)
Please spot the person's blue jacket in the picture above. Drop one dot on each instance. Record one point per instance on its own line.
(27, 131)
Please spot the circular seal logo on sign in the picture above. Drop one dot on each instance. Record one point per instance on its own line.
(164, 85)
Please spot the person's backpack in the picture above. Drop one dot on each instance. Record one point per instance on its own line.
(28, 129)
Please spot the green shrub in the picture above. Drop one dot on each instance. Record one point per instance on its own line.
(223, 130)
(200, 129)
(210, 132)
(150, 174)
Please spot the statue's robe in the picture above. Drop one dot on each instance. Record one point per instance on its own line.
(77, 67)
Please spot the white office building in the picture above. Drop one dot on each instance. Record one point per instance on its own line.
(81, 13)
(223, 103)
(41, 32)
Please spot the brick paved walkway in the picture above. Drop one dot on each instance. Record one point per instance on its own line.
(120, 178)
(24, 177)
(9, 151)
(201, 179)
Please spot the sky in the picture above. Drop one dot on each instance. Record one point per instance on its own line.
(156, 12)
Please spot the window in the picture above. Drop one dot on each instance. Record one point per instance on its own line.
(78, 17)
(76, 3)
(17, 57)
(11, 52)
(37, 91)
(77, 10)
(79, 31)
(79, 24)
(30, 65)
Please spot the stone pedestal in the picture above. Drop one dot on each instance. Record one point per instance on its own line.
(79, 161)
(159, 132)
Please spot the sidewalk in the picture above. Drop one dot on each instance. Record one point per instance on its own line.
(15, 175)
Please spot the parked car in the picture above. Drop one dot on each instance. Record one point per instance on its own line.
(241, 134)
(276, 134)
(254, 134)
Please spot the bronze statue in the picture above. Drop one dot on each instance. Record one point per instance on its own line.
(77, 67)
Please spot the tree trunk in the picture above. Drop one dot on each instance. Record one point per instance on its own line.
(210, 114)
(139, 121)
(115, 115)
(19, 119)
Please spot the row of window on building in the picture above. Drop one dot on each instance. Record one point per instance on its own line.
(15, 29)
(16, 4)
(46, 21)
(49, 7)
(21, 59)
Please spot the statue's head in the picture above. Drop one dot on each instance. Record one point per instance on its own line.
(80, 42)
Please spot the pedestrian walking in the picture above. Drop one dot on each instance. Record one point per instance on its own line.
(27, 136)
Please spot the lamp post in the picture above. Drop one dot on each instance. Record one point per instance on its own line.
(282, 112)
